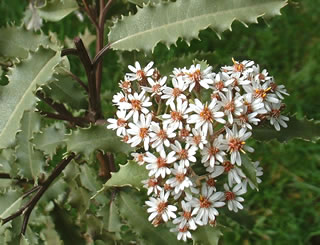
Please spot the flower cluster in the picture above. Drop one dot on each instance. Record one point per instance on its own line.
(191, 133)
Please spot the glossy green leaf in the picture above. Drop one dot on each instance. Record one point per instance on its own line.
(56, 10)
(17, 42)
(166, 22)
(304, 129)
(88, 140)
(136, 215)
(206, 235)
(29, 161)
(50, 138)
(17, 96)
(249, 170)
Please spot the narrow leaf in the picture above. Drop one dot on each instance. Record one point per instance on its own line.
(249, 170)
(87, 140)
(9, 202)
(166, 22)
(136, 215)
(50, 138)
(29, 161)
(206, 235)
(56, 10)
(18, 96)
(304, 129)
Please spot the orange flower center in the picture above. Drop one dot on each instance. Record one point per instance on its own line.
(184, 229)
(275, 113)
(136, 105)
(161, 162)
(140, 74)
(235, 144)
(219, 85)
(183, 154)
(213, 151)
(125, 138)
(230, 106)
(143, 132)
(176, 92)
(187, 215)
(162, 134)
(204, 202)
(140, 158)
(211, 182)
(176, 116)
(156, 87)
(229, 195)
(126, 84)
(184, 132)
(161, 207)
(121, 122)
(197, 139)
(206, 114)
(180, 177)
(227, 166)
(152, 182)
(196, 76)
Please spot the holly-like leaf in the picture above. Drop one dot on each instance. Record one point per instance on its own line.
(29, 161)
(88, 140)
(17, 42)
(10, 202)
(130, 174)
(304, 129)
(206, 235)
(56, 10)
(166, 22)
(249, 170)
(141, 2)
(137, 217)
(59, 90)
(17, 96)
(50, 138)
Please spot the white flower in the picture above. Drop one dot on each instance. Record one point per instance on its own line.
(183, 233)
(155, 87)
(152, 185)
(275, 117)
(125, 85)
(198, 78)
(185, 217)
(235, 174)
(119, 98)
(242, 67)
(119, 124)
(160, 137)
(254, 104)
(219, 82)
(260, 76)
(205, 206)
(180, 181)
(279, 90)
(138, 157)
(236, 142)
(245, 119)
(140, 131)
(197, 138)
(213, 152)
(177, 115)
(233, 198)
(184, 154)
(231, 105)
(138, 73)
(136, 103)
(159, 165)
(205, 115)
(159, 207)
(175, 93)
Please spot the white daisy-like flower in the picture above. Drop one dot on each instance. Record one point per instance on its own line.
(235, 174)
(178, 72)
(180, 181)
(119, 98)
(253, 104)
(152, 185)
(160, 137)
(197, 78)
(156, 87)
(242, 67)
(219, 82)
(140, 131)
(184, 155)
(119, 124)
(183, 232)
(160, 166)
(125, 85)
(175, 93)
(260, 76)
(233, 198)
(275, 117)
(184, 132)
(177, 115)
(236, 80)
(138, 73)
(259, 173)
(205, 206)
(214, 173)
(245, 119)
(137, 103)
(160, 207)
(213, 152)
(232, 105)
(185, 217)
(279, 90)
(138, 157)
(205, 115)
(197, 138)
(236, 142)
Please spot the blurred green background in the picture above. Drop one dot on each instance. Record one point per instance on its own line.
(286, 210)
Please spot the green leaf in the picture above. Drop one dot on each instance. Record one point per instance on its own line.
(87, 140)
(249, 170)
(18, 96)
(17, 42)
(29, 161)
(137, 217)
(59, 90)
(10, 203)
(56, 10)
(304, 129)
(141, 2)
(130, 174)
(166, 22)
(24, 240)
(50, 138)
(206, 235)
